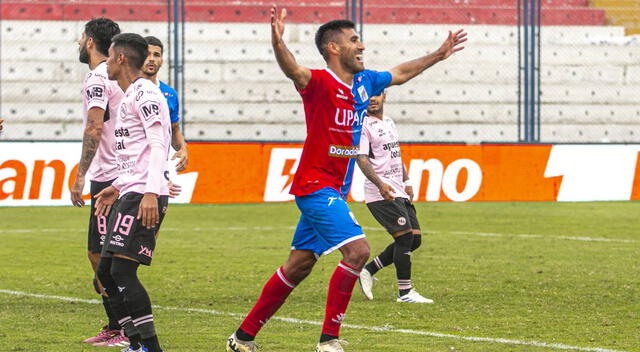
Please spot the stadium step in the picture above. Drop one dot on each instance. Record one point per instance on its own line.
(621, 13)
(574, 12)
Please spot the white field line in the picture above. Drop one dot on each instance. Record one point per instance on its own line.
(558, 346)
(369, 229)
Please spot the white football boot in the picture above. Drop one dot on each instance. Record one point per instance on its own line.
(366, 283)
(236, 345)
(329, 346)
(413, 297)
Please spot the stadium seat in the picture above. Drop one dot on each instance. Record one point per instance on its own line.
(246, 132)
(245, 113)
(42, 131)
(42, 112)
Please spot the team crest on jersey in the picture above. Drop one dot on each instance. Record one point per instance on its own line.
(363, 93)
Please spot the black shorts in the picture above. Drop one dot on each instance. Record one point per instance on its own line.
(126, 235)
(395, 216)
(97, 224)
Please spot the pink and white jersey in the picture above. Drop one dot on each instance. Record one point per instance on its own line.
(380, 141)
(142, 106)
(100, 92)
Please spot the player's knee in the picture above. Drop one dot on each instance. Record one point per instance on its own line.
(124, 272)
(417, 241)
(299, 270)
(357, 255)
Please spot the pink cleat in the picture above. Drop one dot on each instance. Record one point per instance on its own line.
(118, 340)
(103, 335)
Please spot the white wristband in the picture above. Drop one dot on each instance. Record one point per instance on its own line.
(407, 183)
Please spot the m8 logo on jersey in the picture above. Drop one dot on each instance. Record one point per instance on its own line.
(149, 110)
(95, 91)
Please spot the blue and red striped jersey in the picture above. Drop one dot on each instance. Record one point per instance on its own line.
(334, 113)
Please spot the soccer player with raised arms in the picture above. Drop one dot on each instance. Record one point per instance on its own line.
(100, 98)
(143, 134)
(335, 102)
(388, 193)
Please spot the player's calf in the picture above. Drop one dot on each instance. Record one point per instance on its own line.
(136, 300)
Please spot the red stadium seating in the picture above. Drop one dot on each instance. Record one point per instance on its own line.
(503, 12)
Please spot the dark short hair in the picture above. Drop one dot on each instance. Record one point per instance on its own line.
(326, 32)
(151, 40)
(134, 47)
(102, 30)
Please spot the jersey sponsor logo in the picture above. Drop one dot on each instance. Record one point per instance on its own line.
(343, 151)
(121, 132)
(402, 221)
(149, 110)
(95, 91)
(348, 117)
(145, 251)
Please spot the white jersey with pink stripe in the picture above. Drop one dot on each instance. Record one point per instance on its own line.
(100, 92)
(142, 107)
(380, 141)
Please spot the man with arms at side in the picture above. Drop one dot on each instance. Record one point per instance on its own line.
(142, 143)
(388, 194)
(100, 98)
(150, 71)
(335, 101)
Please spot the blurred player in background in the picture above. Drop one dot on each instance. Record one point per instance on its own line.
(143, 136)
(150, 71)
(100, 97)
(335, 101)
(388, 193)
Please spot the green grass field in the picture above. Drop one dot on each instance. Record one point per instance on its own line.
(560, 274)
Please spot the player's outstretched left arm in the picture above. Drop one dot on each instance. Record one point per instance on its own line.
(300, 75)
(406, 71)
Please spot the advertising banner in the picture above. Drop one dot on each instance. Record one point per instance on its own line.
(42, 173)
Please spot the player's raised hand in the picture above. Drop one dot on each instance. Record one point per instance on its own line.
(387, 192)
(76, 192)
(105, 200)
(148, 210)
(277, 23)
(452, 44)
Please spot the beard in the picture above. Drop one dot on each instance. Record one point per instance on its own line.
(84, 55)
(350, 62)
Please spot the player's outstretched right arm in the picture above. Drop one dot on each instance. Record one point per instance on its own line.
(300, 75)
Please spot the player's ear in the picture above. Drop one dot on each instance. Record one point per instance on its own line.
(333, 47)
(89, 43)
